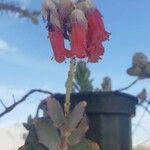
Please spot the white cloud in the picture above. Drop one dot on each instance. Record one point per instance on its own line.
(12, 55)
(6, 92)
(142, 147)
(11, 137)
(5, 47)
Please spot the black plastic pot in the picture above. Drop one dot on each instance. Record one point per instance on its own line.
(109, 116)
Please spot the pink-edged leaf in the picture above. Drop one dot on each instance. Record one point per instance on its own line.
(79, 133)
(55, 112)
(46, 133)
(85, 144)
(76, 115)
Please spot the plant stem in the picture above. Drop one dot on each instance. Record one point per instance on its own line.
(69, 85)
(130, 85)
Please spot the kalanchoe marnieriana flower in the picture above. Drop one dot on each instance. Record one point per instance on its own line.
(54, 30)
(78, 33)
(78, 21)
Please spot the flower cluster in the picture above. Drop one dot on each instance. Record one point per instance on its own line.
(78, 21)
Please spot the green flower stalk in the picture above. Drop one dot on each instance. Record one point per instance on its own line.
(71, 75)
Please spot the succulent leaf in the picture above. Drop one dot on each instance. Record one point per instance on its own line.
(139, 59)
(29, 123)
(142, 96)
(77, 135)
(26, 126)
(147, 69)
(135, 71)
(85, 145)
(47, 134)
(33, 146)
(76, 115)
(55, 112)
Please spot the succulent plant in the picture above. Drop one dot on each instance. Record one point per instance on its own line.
(78, 22)
(57, 131)
(106, 85)
(140, 66)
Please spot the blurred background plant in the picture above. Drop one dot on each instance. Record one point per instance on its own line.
(17, 9)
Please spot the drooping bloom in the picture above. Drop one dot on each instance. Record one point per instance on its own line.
(81, 23)
(95, 52)
(57, 42)
(78, 34)
(96, 30)
(99, 33)
(54, 31)
(95, 22)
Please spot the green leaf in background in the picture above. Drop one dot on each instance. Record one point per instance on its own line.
(82, 83)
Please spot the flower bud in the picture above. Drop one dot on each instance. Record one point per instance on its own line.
(48, 7)
(65, 7)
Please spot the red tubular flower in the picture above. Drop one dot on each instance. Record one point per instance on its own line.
(95, 53)
(96, 26)
(80, 23)
(57, 42)
(78, 34)
(96, 30)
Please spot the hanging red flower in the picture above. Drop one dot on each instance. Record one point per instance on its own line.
(79, 22)
(57, 42)
(78, 33)
(95, 22)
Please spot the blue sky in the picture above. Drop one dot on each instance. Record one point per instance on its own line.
(25, 53)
